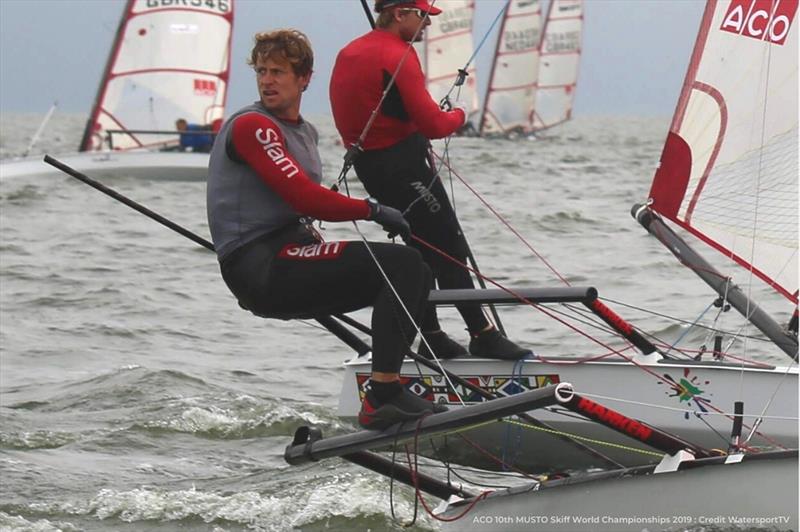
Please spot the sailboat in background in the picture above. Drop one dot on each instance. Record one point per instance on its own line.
(167, 62)
(534, 71)
(559, 58)
(511, 94)
(445, 49)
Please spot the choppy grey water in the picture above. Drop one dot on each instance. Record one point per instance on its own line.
(136, 395)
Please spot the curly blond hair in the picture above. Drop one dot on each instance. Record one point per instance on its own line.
(291, 46)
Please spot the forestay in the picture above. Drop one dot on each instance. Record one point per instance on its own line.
(170, 60)
(511, 94)
(729, 169)
(446, 48)
(559, 58)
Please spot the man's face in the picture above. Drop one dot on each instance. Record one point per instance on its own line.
(279, 87)
(410, 21)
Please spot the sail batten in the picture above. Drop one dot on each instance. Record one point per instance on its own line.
(167, 63)
(729, 169)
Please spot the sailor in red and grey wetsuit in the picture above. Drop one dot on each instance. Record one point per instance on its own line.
(395, 166)
(264, 177)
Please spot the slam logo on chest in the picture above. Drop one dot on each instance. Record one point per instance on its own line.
(273, 147)
(765, 20)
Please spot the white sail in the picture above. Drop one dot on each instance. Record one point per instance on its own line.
(446, 48)
(511, 93)
(170, 60)
(559, 57)
(729, 169)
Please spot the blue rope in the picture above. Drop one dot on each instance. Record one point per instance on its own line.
(510, 452)
(678, 341)
(486, 35)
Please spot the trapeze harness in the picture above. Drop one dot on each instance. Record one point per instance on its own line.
(394, 166)
(264, 174)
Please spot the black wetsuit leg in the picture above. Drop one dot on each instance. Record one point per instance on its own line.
(401, 176)
(307, 279)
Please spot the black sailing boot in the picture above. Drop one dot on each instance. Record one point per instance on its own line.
(443, 346)
(386, 404)
(492, 344)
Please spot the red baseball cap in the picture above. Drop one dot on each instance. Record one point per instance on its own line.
(380, 5)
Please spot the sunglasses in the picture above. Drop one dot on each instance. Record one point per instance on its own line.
(421, 13)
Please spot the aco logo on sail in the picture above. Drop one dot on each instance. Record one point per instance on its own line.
(765, 20)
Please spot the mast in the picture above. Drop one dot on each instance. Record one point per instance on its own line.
(492, 70)
(86, 140)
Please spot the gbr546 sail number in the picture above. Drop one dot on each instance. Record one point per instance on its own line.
(223, 6)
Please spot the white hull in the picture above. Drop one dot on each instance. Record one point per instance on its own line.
(715, 386)
(167, 166)
(707, 497)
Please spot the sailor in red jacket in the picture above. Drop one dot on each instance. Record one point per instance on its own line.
(263, 185)
(395, 167)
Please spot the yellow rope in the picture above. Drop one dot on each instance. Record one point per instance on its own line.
(554, 432)
(583, 438)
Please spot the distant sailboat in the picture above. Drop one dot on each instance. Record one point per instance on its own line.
(169, 61)
(559, 57)
(445, 49)
(511, 95)
(534, 72)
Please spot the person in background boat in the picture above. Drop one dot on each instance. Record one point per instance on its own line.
(263, 189)
(395, 165)
(194, 137)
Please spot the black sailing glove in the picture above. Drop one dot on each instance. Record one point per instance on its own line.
(389, 218)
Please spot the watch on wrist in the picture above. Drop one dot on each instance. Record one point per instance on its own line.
(374, 206)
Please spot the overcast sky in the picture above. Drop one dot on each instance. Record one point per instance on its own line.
(634, 60)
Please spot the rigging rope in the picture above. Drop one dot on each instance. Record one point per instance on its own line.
(407, 312)
(462, 72)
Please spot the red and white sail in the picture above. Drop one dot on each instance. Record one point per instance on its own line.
(170, 60)
(559, 58)
(511, 95)
(729, 169)
(446, 48)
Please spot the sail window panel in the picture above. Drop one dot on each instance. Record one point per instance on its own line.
(174, 39)
(776, 265)
(749, 208)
